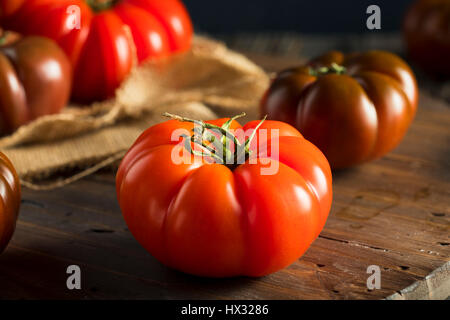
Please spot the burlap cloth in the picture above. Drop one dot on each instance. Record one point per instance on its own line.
(207, 82)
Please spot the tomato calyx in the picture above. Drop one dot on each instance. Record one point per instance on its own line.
(217, 142)
(334, 68)
(101, 5)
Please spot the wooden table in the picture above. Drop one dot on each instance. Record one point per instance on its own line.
(393, 213)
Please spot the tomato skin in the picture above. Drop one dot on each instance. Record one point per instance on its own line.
(427, 35)
(353, 117)
(8, 8)
(9, 200)
(107, 39)
(35, 80)
(148, 33)
(103, 49)
(209, 220)
(175, 19)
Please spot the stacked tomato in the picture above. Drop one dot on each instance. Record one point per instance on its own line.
(103, 38)
(35, 80)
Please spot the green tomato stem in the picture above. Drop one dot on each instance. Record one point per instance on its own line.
(205, 133)
(334, 68)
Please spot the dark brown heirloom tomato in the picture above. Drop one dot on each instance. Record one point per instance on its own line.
(355, 107)
(427, 34)
(9, 200)
(35, 80)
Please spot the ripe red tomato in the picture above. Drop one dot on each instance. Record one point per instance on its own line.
(354, 107)
(9, 200)
(102, 50)
(219, 220)
(427, 33)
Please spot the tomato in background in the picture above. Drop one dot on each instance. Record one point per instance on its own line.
(219, 220)
(35, 80)
(354, 108)
(427, 33)
(111, 35)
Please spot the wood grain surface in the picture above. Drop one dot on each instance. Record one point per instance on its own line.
(393, 213)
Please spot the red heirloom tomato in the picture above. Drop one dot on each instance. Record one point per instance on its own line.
(101, 37)
(427, 33)
(355, 107)
(9, 200)
(35, 80)
(222, 218)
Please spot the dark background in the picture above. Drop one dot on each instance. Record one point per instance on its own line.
(312, 16)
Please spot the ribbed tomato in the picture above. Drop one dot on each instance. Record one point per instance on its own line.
(103, 37)
(222, 218)
(355, 107)
(35, 80)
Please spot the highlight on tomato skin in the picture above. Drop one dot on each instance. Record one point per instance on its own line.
(106, 39)
(206, 213)
(355, 108)
(35, 79)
